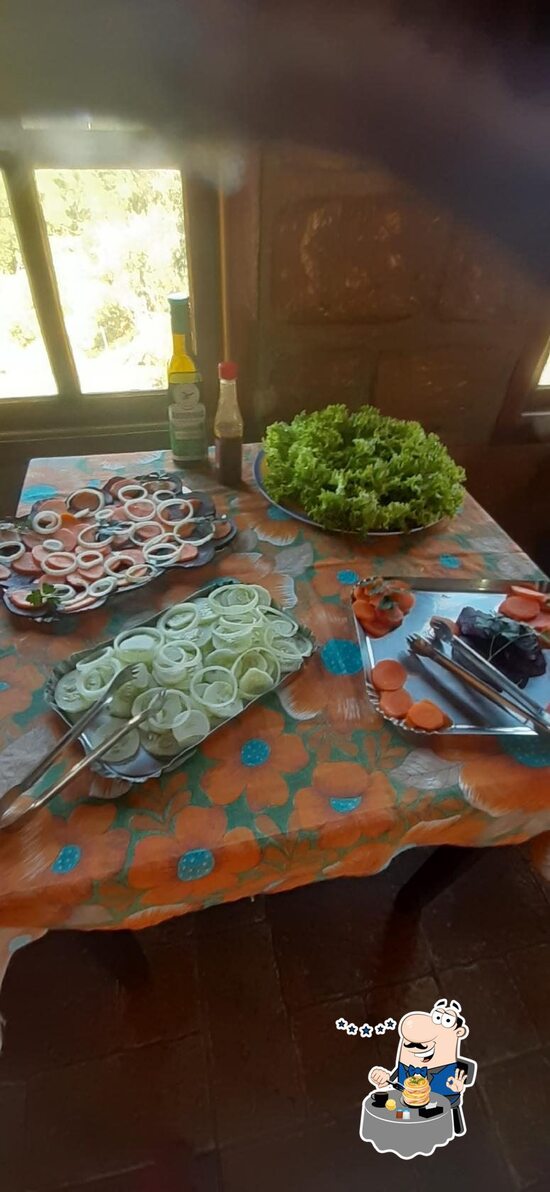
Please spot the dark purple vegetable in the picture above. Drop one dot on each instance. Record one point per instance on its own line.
(512, 647)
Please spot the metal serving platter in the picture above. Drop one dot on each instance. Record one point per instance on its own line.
(469, 712)
(143, 765)
(173, 480)
(260, 476)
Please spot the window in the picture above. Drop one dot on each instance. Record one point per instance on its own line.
(118, 247)
(544, 379)
(24, 366)
(93, 239)
(526, 407)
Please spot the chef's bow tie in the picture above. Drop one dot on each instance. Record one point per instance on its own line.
(412, 1071)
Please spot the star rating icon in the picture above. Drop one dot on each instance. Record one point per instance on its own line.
(365, 1031)
(390, 1024)
(341, 1024)
(352, 1029)
(379, 1028)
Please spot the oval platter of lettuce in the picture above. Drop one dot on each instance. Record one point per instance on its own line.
(359, 472)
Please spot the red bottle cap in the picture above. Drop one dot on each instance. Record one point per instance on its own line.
(227, 371)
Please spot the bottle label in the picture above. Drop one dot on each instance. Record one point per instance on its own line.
(185, 391)
(187, 432)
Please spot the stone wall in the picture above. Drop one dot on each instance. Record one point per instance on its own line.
(367, 293)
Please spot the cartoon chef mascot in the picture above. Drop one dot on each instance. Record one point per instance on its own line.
(429, 1045)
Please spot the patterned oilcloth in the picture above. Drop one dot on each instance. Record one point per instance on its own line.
(309, 785)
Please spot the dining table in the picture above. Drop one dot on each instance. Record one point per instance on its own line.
(407, 1136)
(307, 785)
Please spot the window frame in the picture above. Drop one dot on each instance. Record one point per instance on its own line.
(527, 404)
(71, 412)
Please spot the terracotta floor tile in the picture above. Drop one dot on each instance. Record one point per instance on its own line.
(166, 1006)
(494, 908)
(53, 993)
(530, 973)
(172, 1173)
(12, 1135)
(325, 1157)
(91, 1119)
(255, 1081)
(499, 1023)
(474, 1161)
(335, 1064)
(339, 938)
(517, 1094)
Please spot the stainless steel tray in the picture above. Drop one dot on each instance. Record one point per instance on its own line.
(470, 713)
(144, 766)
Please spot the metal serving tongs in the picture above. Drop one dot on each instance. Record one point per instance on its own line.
(21, 791)
(538, 719)
(461, 649)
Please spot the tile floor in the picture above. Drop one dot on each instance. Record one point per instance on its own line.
(224, 1070)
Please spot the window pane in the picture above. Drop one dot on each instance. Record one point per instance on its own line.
(544, 378)
(24, 366)
(118, 245)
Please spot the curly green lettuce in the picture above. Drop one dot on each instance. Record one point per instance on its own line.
(361, 471)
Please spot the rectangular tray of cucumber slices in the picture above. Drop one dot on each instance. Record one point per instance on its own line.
(215, 655)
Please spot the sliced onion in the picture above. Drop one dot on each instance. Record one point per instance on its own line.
(234, 600)
(225, 657)
(214, 689)
(131, 492)
(63, 593)
(133, 515)
(185, 508)
(95, 501)
(255, 682)
(60, 562)
(264, 598)
(179, 619)
(262, 659)
(289, 655)
(87, 539)
(87, 559)
(141, 573)
(124, 696)
(138, 645)
(159, 744)
(280, 623)
(189, 728)
(163, 551)
(137, 535)
(161, 720)
(45, 521)
(235, 633)
(119, 562)
(102, 655)
(103, 587)
(304, 644)
(68, 697)
(207, 614)
(11, 550)
(93, 681)
(175, 661)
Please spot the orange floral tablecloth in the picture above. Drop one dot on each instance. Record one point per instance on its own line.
(309, 785)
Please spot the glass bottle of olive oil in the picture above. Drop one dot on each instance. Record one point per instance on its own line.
(186, 412)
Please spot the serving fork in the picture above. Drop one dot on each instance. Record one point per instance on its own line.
(21, 789)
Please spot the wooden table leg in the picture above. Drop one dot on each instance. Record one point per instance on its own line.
(121, 954)
(436, 874)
